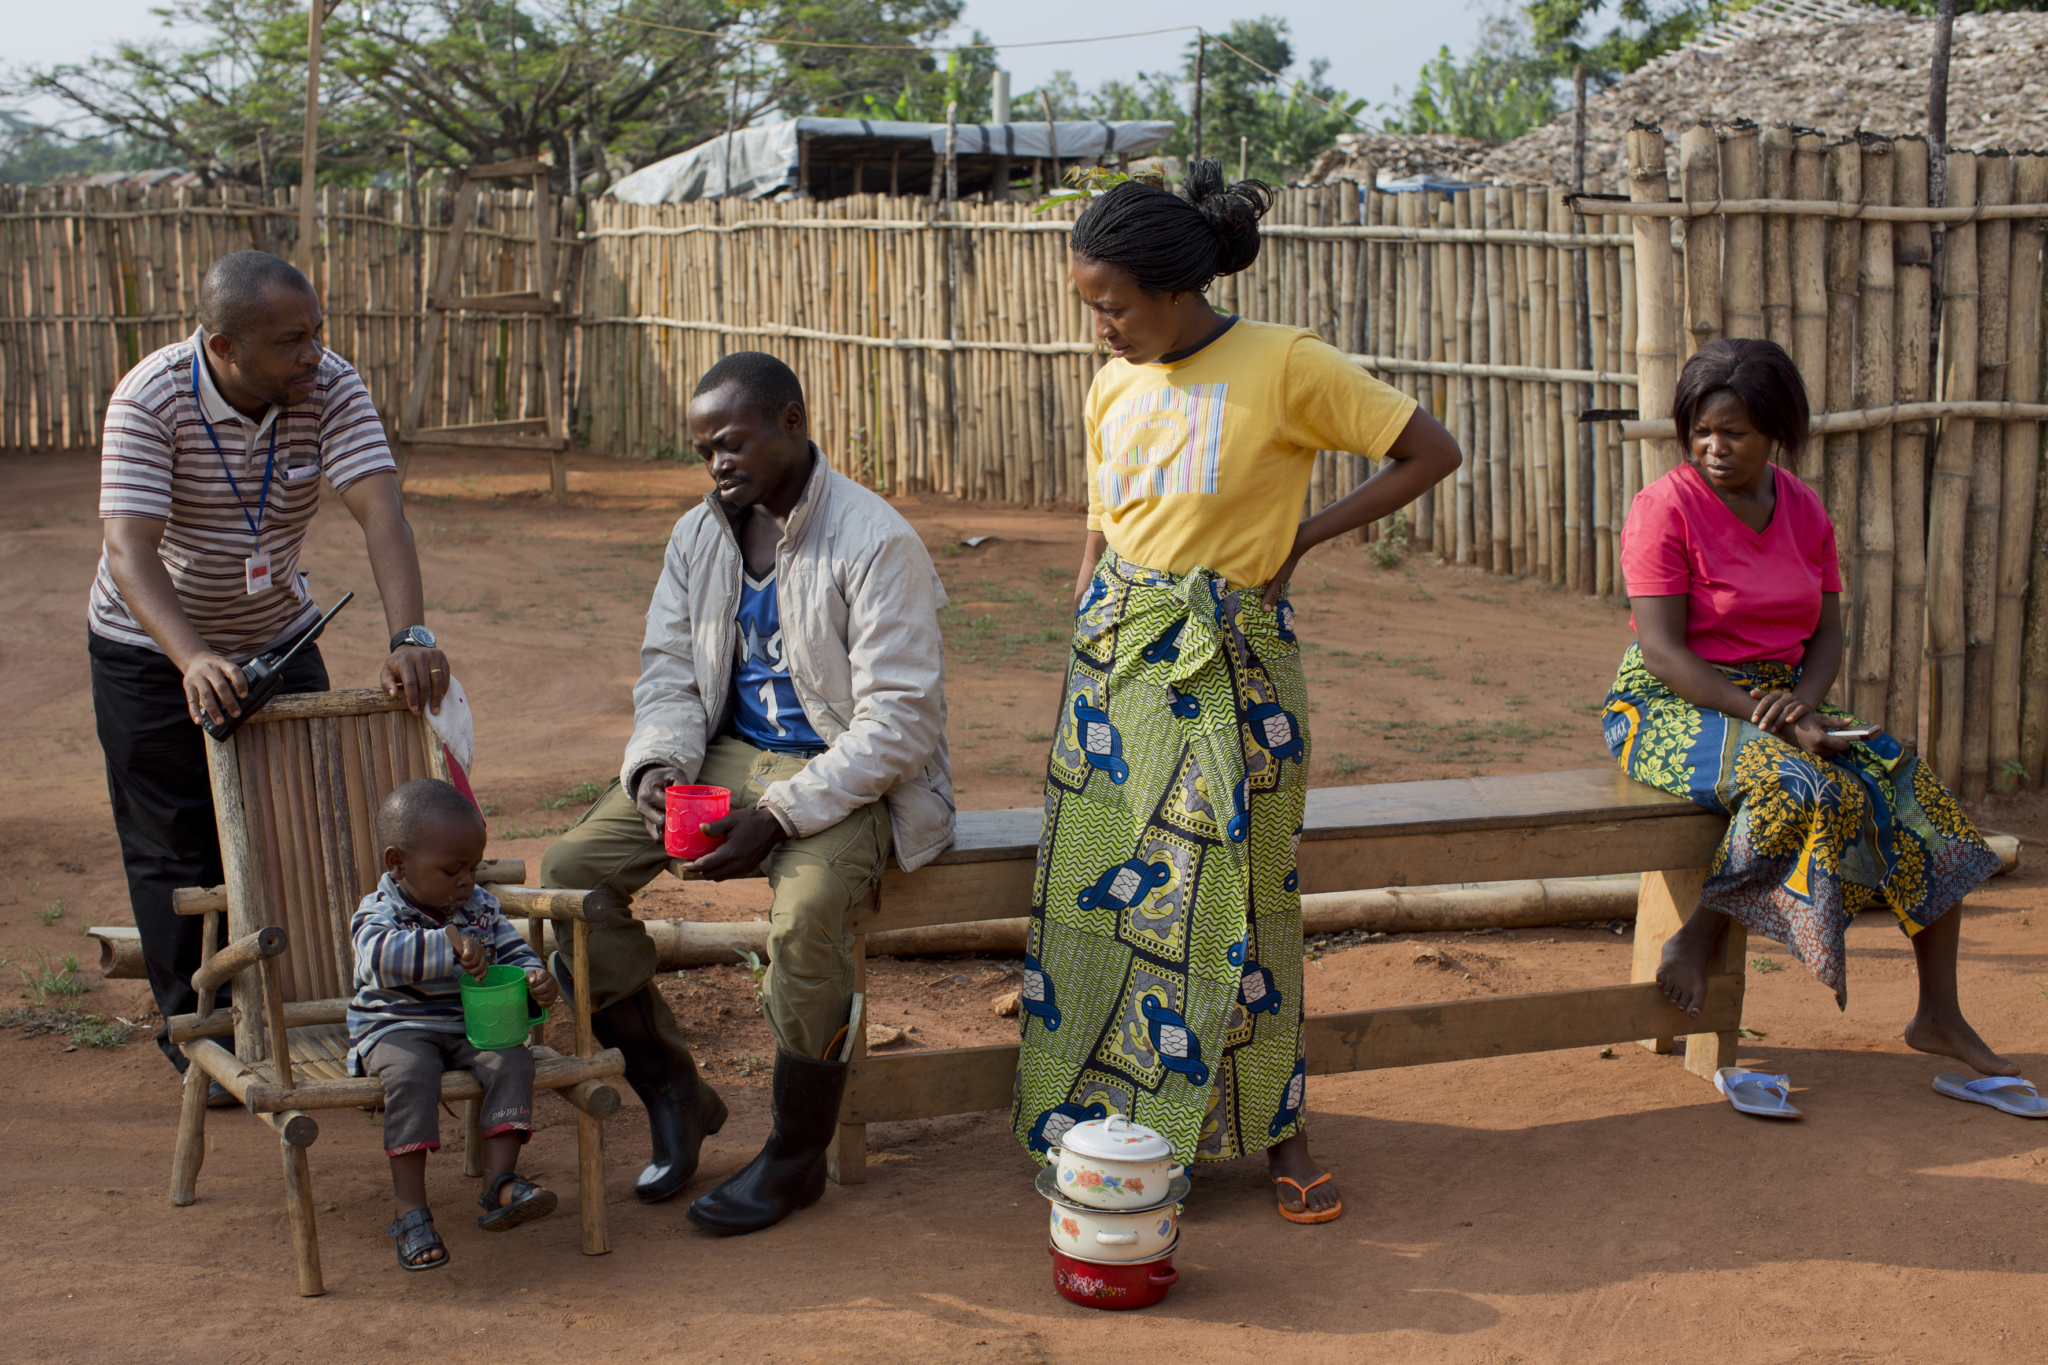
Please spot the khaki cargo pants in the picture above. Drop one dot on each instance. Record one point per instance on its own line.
(817, 883)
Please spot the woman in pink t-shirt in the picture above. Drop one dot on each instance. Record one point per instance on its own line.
(1731, 569)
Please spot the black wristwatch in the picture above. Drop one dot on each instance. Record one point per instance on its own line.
(413, 635)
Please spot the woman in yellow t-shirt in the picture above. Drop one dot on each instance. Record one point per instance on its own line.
(1163, 972)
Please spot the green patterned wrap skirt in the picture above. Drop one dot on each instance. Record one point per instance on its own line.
(1810, 841)
(1162, 976)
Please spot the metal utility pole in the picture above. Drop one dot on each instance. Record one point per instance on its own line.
(316, 16)
(1195, 130)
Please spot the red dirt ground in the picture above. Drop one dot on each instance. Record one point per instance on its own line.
(1562, 1207)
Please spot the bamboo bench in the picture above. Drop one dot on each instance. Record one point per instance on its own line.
(1567, 824)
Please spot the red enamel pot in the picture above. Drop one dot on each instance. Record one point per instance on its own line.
(1112, 1284)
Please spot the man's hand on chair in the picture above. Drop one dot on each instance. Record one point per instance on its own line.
(650, 795)
(420, 673)
(749, 835)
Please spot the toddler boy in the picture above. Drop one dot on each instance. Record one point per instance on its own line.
(427, 919)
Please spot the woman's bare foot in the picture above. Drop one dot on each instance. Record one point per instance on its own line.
(1952, 1036)
(1938, 1025)
(1683, 972)
(1291, 1160)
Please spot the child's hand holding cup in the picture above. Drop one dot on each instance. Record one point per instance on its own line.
(540, 984)
(469, 954)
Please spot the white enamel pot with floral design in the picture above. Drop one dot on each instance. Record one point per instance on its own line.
(1099, 1235)
(1113, 1163)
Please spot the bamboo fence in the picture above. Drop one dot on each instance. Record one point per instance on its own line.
(92, 279)
(944, 351)
(1926, 436)
(943, 348)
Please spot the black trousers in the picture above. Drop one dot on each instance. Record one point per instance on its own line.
(163, 804)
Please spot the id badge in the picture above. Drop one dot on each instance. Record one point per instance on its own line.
(256, 572)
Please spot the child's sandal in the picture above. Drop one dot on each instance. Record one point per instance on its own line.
(415, 1236)
(529, 1201)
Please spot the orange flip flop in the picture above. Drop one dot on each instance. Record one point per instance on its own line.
(1308, 1215)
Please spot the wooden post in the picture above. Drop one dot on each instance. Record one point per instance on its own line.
(1948, 494)
(1461, 351)
(1775, 149)
(1742, 281)
(1810, 291)
(2021, 478)
(1839, 485)
(589, 1131)
(1987, 478)
(190, 1153)
(2034, 643)
(1913, 248)
(298, 1207)
(309, 147)
(1870, 609)
(238, 863)
(553, 361)
(1496, 393)
(1663, 903)
(1423, 533)
(473, 1138)
(1656, 330)
(1699, 172)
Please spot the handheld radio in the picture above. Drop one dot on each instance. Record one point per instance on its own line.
(265, 675)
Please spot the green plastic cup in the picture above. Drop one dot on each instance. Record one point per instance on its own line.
(494, 1009)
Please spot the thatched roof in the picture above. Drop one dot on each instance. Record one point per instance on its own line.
(1401, 156)
(1867, 74)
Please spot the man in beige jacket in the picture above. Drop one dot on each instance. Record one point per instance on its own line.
(792, 657)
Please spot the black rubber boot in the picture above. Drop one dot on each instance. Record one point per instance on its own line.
(682, 1110)
(789, 1174)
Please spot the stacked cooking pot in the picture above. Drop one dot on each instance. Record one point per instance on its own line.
(1115, 1196)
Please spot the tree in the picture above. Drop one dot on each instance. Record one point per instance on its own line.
(1558, 32)
(1284, 124)
(1492, 95)
(467, 81)
(967, 79)
(34, 153)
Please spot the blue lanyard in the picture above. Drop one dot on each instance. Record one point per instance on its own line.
(269, 464)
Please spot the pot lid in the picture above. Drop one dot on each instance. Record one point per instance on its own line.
(1116, 1138)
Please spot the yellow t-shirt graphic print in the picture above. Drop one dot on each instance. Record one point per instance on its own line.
(1205, 462)
(1167, 440)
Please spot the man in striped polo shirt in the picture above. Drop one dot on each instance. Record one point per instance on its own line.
(210, 471)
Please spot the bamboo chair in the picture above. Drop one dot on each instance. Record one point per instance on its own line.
(295, 790)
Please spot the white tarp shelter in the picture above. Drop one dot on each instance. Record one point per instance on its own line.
(830, 157)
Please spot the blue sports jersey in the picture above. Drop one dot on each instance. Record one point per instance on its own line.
(766, 713)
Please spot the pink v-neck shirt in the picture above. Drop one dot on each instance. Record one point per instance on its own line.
(1749, 595)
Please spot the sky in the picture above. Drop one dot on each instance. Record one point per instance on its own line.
(1373, 46)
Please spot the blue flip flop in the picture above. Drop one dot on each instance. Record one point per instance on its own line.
(2006, 1094)
(1753, 1092)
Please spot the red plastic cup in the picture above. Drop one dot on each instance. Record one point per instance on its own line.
(687, 808)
